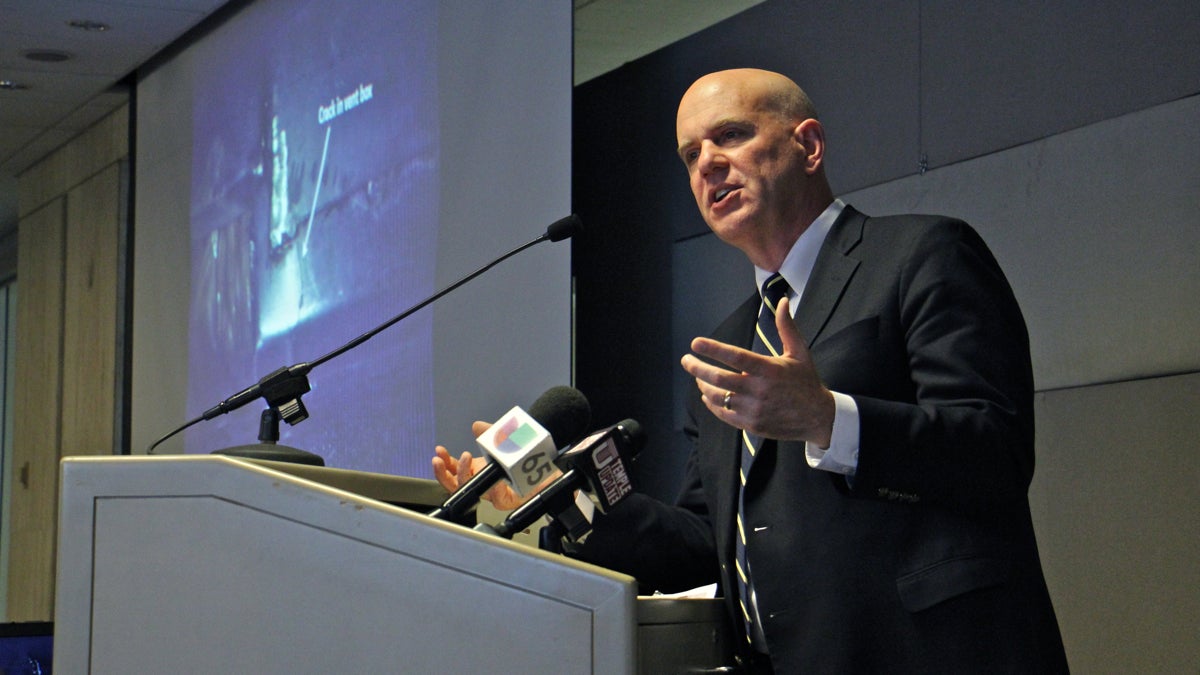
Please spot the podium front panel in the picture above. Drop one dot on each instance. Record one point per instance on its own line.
(213, 564)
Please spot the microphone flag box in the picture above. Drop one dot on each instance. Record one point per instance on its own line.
(614, 482)
(522, 447)
(601, 459)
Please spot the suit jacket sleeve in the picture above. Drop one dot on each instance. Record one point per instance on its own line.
(668, 548)
(927, 337)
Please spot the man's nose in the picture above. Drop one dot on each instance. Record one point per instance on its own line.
(711, 158)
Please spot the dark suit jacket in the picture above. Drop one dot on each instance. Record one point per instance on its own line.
(926, 561)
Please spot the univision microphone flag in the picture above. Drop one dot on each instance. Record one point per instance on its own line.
(515, 435)
(522, 447)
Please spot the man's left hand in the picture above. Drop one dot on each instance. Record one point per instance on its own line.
(780, 397)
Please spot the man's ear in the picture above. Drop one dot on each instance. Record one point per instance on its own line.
(811, 135)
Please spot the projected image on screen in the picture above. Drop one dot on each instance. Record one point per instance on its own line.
(313, 219)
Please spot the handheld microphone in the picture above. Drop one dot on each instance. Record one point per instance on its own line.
(282, 388)
(522, 447)
(599, 465)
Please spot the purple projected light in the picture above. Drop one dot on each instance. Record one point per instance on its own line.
(314, 219)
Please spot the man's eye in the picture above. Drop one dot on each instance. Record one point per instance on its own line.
(731, 134)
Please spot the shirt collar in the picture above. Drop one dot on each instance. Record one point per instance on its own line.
(798, 265)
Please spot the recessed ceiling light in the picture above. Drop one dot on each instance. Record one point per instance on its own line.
(47, 55)
(87, 24)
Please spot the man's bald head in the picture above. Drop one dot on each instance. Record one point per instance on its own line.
(761, 89)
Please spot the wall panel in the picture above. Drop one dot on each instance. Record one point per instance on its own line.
(1117, 513)
(67, 314)
(1096, 229)
(90, 326)
(37, 403)
(999, 74)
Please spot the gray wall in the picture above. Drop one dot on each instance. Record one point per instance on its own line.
(1117, 512)
(1067, 134)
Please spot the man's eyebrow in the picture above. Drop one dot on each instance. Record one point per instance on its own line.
(714, 128)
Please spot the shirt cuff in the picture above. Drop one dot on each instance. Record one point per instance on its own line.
(842, 454)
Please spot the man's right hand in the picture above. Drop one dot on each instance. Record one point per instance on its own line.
(452, 473)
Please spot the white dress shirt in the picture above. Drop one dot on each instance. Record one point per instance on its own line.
(842, 454)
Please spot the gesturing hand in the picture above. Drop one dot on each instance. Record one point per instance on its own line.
(780, 397)
(452, 473)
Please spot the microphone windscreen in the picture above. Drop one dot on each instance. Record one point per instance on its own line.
(564, 228)
(634, 434)
(564, 412)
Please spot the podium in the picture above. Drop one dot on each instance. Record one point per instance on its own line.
(203, 564)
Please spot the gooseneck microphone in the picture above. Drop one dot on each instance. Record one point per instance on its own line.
(282, 388)
(563, 228)
(521, 449)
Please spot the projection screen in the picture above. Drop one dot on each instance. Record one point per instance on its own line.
(306, 170)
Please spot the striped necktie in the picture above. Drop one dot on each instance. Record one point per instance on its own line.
(767, 342)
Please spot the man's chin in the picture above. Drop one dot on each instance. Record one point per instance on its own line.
(735, 234)
(730, 222)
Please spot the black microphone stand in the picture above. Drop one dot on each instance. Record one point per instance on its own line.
(268, 446)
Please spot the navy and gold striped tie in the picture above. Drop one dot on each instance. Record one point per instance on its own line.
(767, 342)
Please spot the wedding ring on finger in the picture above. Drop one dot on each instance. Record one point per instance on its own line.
(728, 398)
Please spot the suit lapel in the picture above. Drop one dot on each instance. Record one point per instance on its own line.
(831, 273)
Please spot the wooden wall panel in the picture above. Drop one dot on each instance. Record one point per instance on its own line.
(69, 270)
(104, 143)
(37, 403)
(89, 328)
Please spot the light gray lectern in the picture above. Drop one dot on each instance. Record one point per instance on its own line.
(210, 564)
